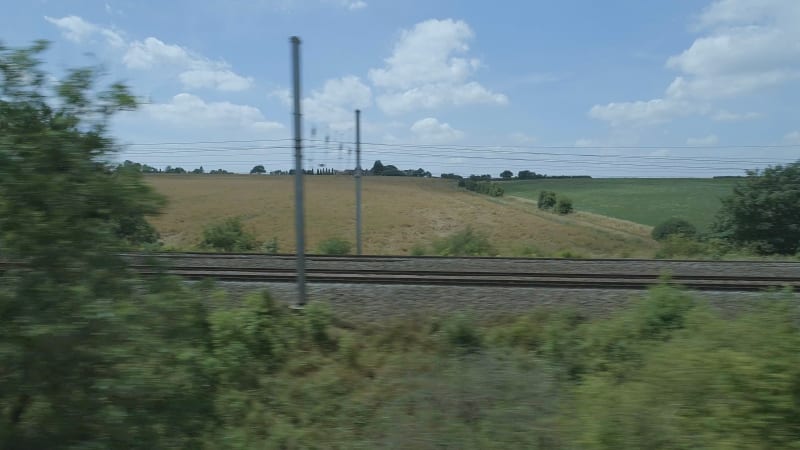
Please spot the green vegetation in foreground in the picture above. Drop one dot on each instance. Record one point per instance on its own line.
(197, 370)
(648, 201)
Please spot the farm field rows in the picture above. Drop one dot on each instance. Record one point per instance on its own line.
(398, 214)
(647, 201)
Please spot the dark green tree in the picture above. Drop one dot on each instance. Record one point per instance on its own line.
(377, 168)
(77, 368)
(258, 169)
(564, 205)
(547, 200)
(506, 174)
(764, 211)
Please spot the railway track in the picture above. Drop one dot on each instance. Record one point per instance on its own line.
(472, 272)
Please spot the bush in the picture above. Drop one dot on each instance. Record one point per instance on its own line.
(564, 206)
(461, 333)
(419, 250)
(228, 236)
(481, 186)
(547, 200)
(335, 246)
(674, 227)
(464, 243)
(270, 247)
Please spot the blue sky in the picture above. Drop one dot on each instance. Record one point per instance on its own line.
(612, 88)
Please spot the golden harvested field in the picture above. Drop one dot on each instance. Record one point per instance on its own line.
(398, 213)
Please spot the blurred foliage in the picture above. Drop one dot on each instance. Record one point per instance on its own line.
(335, 246)
(228, 236)
(466, 242)
(673, 227)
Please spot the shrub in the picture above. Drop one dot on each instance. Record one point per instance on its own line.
(464, 243)
(462, 334)
(672, 227)
(482, 186)
(228, 236)
(335, 246)
(270, 247)
(547, 200)
(418, 250)
(564, 206)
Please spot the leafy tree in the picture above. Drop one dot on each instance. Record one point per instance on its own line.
(392, 171)
(564, 205)
(377, 168)
(451, 176)
(528, 175)
(77, 369)
(764, 211)
(673, 227)
(506, 174)
(258, 169)
(547, 200)
(170, 169)
(199, 171)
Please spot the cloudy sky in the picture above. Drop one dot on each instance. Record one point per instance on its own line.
(612, 88)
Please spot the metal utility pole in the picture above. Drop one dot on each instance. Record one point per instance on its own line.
(358, 182)
(298, 177)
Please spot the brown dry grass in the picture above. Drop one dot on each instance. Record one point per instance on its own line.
(398, 213)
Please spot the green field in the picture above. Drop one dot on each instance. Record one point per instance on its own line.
(648, 201)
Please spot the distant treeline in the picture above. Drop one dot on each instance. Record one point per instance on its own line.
(378, 169)
(508, 175)
(144, 168)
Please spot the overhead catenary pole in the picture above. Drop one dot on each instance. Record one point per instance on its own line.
(298, 176)
(358, 182)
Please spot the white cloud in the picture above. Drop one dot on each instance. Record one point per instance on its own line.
(190, 111)
(792, 137)
(703, 141)
(222, 79)
(642, 112)
(728, 116)
(335, 104)
(747, 46)
(153, 52)
(283, 95)
(356, 4)
(432, 96)
(80, 31)
(431, 130)
(195, 71)
(428, 69)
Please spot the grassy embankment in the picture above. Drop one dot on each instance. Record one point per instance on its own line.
(398, 214)
(668, 372)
